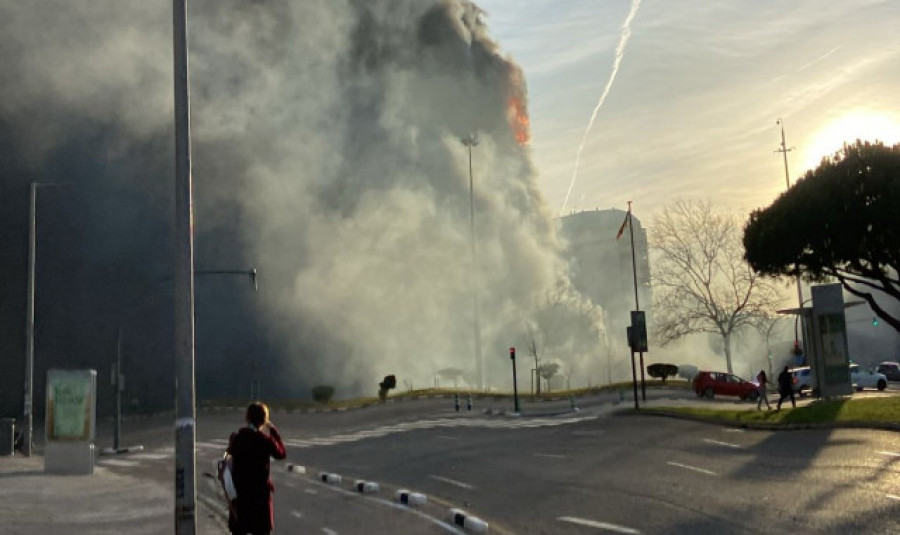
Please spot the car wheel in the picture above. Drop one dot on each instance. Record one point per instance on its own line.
(859, 388)
(754, 395)
(709, 392)
(882, 384)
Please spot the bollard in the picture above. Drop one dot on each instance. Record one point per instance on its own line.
(469, 402)
(572, 402)
(366, 487)
(456, 402)
(330, 478)
(467, 521)
(412, 499)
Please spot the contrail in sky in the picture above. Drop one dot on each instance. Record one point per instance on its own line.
(620, 52)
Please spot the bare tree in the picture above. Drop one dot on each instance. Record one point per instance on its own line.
(701, 282)
(531, 343)
(548, 370)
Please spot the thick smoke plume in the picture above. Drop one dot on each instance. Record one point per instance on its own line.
(327, 155)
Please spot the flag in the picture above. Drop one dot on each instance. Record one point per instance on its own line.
(622, 228)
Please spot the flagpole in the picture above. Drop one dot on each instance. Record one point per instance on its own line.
(637, 303)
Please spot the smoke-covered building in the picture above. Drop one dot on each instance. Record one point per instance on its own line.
(600, 264)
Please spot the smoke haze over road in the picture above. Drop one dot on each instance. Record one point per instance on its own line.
(326, 154)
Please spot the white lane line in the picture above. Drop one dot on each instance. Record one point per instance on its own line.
(889, 453)
(453, 482)
(689, 467)
(328, 531)
(733, 430)
(720, 443)
(599, 525)
(310, 491)
(117, 462)
(550, 455)
(445, 437)
(296, 514)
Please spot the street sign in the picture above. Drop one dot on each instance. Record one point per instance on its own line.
(638, 331)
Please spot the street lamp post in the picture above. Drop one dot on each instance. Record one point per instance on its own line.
(470, 141)
(185, 409)
(28, 431)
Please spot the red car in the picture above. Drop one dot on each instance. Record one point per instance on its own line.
(712, 384)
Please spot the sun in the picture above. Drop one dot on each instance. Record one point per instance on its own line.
(863, 125)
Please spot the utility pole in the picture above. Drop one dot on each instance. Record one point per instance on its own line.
(471, 141)
(787, 182)
(29, 324)
(637, 303)
(185, 409)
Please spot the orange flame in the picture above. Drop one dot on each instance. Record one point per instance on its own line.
(518, 121)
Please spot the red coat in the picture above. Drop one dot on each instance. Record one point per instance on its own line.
(250, 451)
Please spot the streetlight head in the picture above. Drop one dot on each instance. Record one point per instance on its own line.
(253, 279)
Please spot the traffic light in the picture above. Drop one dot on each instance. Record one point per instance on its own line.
(874, 321)
(512, 353)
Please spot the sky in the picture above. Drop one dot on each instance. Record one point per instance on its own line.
(693, 107)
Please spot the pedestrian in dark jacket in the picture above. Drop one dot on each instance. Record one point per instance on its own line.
(249, 450)
(761, 383)
(785, 388)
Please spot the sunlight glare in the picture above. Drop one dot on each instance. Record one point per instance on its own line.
(867, 126)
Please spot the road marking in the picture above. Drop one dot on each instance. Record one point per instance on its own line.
(445, 437)
(599, 525)
(889, 453)
(117, 462)
(149, 456)
(296, 514)
(310, 491)
(689, 467)
(328, 531)
(893, 496)
(550, 455)
(459, 484)
(720, 443)
(733, 430)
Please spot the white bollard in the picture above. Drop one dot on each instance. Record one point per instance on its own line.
(413, 499)
(366, 487)
(330, 478)
(468, 522)
(296, 468)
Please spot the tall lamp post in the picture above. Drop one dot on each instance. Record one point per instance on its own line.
(470, 141)
(783, 149)
(28, 431)
(185, 409)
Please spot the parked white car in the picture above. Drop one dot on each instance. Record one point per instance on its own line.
(863, 378)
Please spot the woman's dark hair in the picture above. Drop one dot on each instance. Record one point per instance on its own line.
(257, 414)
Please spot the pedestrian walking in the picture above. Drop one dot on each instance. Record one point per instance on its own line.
(248, 454)
(762, 381)
(785, 388)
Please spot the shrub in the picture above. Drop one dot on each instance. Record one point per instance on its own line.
(662, 371)
(322, 393)
(384, 386)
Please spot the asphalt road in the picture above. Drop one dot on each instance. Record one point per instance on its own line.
(555, 471)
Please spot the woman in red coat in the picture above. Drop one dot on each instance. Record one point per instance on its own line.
(249, 451)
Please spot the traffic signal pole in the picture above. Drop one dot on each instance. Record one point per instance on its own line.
(512, 357)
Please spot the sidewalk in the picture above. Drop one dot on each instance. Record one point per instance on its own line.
(32, 501)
